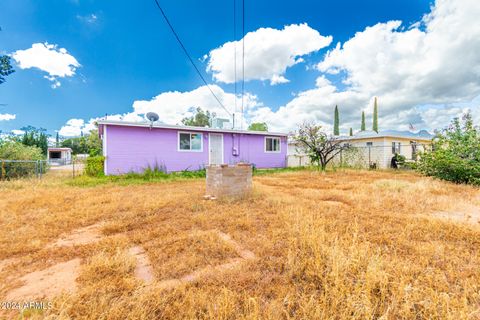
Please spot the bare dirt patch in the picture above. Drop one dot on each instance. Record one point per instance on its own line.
(230, 264)
(143, 269)
(469, 217)
(242, 252)
(47, 283)
(82, 236)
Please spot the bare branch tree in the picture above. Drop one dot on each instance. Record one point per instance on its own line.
(320, 147)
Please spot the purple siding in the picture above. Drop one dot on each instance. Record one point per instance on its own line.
(132, 149)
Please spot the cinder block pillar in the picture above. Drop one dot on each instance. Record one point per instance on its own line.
(229, 181)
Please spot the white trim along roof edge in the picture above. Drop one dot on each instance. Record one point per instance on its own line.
(187, 128)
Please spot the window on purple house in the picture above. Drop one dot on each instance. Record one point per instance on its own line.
(272, 144)
(188, 141)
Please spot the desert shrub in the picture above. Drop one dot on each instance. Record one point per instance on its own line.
(14, 150)
(455, 154)
(94, 166)
(400, 159)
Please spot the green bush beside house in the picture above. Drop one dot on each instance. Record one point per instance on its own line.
(455, 155)
(14, 150)
(94, 166)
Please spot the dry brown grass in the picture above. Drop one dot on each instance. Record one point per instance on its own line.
(342, 245)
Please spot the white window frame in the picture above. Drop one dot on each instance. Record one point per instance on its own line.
(265, 144)
(190, 133)
(396, 145)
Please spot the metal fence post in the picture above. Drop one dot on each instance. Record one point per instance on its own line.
(369, 156)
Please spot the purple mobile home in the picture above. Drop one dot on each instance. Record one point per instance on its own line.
(133, 147)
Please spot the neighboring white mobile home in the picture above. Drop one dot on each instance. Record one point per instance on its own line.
(372, 149)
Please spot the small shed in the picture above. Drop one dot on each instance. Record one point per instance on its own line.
(59, 156)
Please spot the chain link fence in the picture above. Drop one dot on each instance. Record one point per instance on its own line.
(366, 156)
(14, 169)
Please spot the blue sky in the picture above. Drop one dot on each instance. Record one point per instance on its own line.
(126, 53)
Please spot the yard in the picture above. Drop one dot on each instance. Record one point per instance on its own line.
(346, 244)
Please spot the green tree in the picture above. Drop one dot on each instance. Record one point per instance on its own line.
(455, 154)
(77, 144)
(320, 147)
(363, 121)
(35, 137)
(258, 126)
(351, 132)
(12, 149)
(5, 68)
(199, 119)
(57, 140)
(86, 144)
(336, 123)
(375, 116)
(94, 144)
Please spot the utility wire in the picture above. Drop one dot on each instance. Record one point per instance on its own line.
(188, 56)
(235, 48)
(243, 55)
(235, 52)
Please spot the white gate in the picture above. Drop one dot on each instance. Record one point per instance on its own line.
(215, 143)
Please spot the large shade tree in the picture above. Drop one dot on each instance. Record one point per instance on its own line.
(35, 137)
(199, 119)
(258, 126)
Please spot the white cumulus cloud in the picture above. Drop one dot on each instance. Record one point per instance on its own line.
(75, 127)
(7, 116)
(172, 107)
(56, 62)
(268, 53)
(72, 128)
(434, 62)
(423, 74)
(17, 132)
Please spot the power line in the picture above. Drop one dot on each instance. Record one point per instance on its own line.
(188, 56)
(235, 57)
(235, 48)
(243, 55)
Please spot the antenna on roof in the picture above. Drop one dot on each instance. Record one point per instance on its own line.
(152, 117)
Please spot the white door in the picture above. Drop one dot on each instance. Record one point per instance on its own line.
(216, 148)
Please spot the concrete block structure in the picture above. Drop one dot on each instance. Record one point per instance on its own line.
(229, 180)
